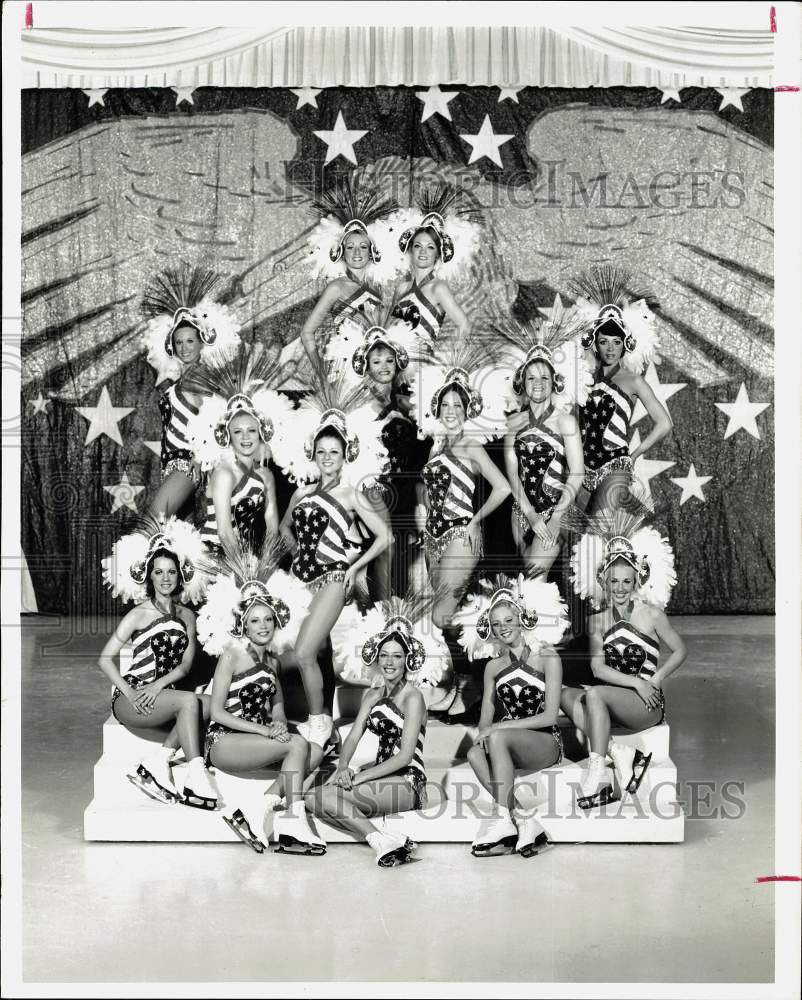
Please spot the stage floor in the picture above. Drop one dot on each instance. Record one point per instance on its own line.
(688, 912)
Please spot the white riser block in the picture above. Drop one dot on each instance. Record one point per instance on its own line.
(651, 741)
(555, 786)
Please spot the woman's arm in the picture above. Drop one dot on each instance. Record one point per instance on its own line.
(661, 418)
(488, 709)
(351, 742)
(277, 727)
(414, 712)
(322, 308)
(517, 487)
(572, 442)
(221, 485)
(271, 507)
(500, 488)
(135, 619)
(553, 669)
(377, 520)
(285, 529)
(221, 685)
(666, 633)
(444, 297)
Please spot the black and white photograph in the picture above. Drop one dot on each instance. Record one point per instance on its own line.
(401, 499)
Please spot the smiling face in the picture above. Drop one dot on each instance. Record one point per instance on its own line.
(425, 249)
(538, 382)
(187, 344)
(621, 582)
(452, 411)
(505, 624)
(164, 576)
(356, 250)
(329, 455)
(392, 660)
(609, 348)
(244, 431)
(259, 625)
(381, 364)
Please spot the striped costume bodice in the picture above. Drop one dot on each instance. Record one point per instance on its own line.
(251, 693)
(521, 689)
(542, 465)
(322, 526)
(175, 411)
(386, 720)
(362, 296)
(431, 315)
(450, 485)
(629, 651)
(156, 649)
(604, 422)
(247, 510)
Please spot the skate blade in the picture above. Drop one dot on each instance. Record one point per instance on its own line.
(602, 798)
(289, 845)
(153, 790)
(401, 856)
(194, 801)
(247, 838)
(497, 849)
(639, 765)
(532, 850)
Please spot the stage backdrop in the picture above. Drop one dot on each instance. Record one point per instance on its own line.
(675, 185)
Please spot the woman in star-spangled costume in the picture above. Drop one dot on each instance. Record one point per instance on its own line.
(516, 622)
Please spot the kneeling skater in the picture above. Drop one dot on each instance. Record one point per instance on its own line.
(627, 571)
(395, 711)
(517, 621)
(248, 731)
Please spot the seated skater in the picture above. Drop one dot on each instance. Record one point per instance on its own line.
(155, 570)
(395, 712)
(525, 678)
(249, 730)
(629, 571)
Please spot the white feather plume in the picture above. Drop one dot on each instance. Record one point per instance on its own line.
(640, 321)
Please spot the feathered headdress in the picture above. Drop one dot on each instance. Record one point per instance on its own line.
(406, 620)
(456, 223)
(619, 534)
(247, 579)
(543, 614)
(183, 296)
(470, 368)
(551, 341)
(606, 304)
(126, 570)
(352, 206)
(337, 405)
(244, 383)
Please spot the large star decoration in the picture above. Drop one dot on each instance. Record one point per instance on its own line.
(97, 95)
(154, 446)
(306, 95)
(670, 94)
(663, 390)
(183, 94)
(691, 485)
(103, 418)
(486, 143)
(554, 312)
(645, 469)
(124, 494)
(340, 140)
(40, 404)
(435, 102)
(509, 94)
(742, 414)
(732, 95)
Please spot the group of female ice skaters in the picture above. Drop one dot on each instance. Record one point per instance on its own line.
(385, 384)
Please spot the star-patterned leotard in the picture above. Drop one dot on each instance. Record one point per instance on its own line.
(450, 485)
(604, 422)
(322, 527)
(249, 697)
(355, 301)
(632, 652)
(542, 468)
(386, 720)
(522, 692)
(175, 411)
(431, 315)
(156, 649)
(247, 511)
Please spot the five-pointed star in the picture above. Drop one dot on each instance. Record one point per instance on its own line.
(155, 446)
(306, 95)
(670, 94)
(103, 418)
(509, 94)
(732, 95)
(40, 404)
(742, 414)
(124, 493)
(435, 102)
(96, 95)
(553, 313)
(691, 485)
(486, 143)
(183, 94)
(340, 140)
(645, 469)
(663, 390)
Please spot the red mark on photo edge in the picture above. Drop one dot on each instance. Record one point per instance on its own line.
(786, 89)
(28, 15)
(773, 18)
(779, 878)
